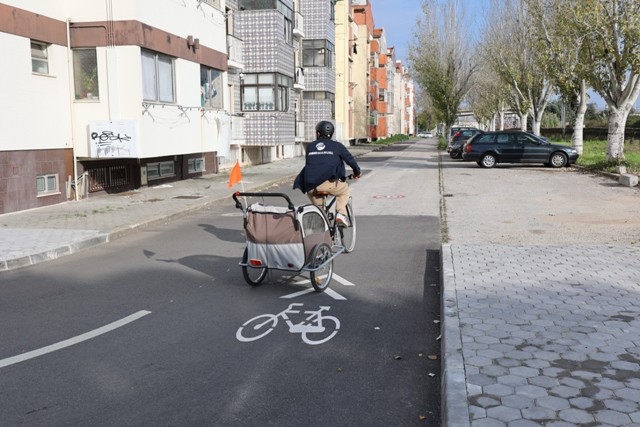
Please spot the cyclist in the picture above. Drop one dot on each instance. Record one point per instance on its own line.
(324, 171)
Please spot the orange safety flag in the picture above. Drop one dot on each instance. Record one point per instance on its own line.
(235, 176)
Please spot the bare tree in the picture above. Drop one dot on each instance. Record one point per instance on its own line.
(511, 51)
(560, 44)
(612, 53)
(488, 97)
(440, 57)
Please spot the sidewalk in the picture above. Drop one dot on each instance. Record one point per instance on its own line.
(42, 234)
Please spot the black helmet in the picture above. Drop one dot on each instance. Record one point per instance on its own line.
(325, 129)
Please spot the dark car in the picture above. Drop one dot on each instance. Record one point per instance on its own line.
(459, 138)
(490, 148)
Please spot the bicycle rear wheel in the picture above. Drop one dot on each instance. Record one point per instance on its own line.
(321, 277)
(348, 234)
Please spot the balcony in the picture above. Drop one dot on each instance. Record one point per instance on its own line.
(298, 26)
(298, 82)
(299, 131)
(235, 51)
(237, 130)
(216, 4)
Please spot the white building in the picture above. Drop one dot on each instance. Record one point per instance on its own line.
(121, 92)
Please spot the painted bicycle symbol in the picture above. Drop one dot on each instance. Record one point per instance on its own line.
(311, 329)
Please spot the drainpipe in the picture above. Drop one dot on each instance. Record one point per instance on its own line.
(71, 108)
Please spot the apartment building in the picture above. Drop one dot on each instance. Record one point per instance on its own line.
(404, 94)
(378, 86)
(110, 95)
(346, 50)
(363, 19)
(266, 28)
(318, 61)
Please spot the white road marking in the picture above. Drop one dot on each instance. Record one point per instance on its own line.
(342, 280)
(333, 294)
(71, 341)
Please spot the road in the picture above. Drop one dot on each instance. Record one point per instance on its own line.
(144, 330)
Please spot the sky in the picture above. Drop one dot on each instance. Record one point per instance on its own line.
(399, 17)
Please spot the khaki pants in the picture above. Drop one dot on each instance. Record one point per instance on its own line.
(337, 188)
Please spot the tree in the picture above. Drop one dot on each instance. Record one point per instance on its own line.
(440, 58)
(488, 96)
(612, 52)
(512, 52)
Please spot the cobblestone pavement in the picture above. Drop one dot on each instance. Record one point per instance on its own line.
(550, 334)
(541, 306)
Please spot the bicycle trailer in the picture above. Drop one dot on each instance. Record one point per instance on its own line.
(285, 238)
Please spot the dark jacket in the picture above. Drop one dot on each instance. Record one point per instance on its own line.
(325, 160)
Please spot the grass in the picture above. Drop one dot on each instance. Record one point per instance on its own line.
(594, 156)
(390, 140)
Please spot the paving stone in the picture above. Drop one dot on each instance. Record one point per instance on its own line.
(577, 416)
(522, 423)
(494, 370)
(553, 403)
(582, 402)
(539, 414)
(512, 380)
(629, 394)
(523, 371)
(487, 422)
(517, 401)
(476, 412)
(620, 405)
(498, 390)
(531, 391)
(614, 418)
(504, 413)
(544, 381)
(564, 391)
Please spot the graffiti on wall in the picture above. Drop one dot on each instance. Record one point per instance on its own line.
(108, 139)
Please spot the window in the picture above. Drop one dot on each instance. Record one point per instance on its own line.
(47, 184)
(160, 170)
(265, 92)
(195, 165)
(373, 118)
(210, 87)
(381, 95)
(317, 53)
(85, 74)
(39, 57)
(319, 95)
(157, 77)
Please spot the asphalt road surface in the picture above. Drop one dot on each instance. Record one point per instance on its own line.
(145, 330)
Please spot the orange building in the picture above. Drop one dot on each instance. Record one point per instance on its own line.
(378, 86)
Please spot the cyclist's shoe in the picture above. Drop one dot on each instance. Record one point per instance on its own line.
(342, 220)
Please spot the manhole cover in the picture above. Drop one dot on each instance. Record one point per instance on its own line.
(188, 197)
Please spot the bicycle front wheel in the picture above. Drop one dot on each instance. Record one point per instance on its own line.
(348, 234)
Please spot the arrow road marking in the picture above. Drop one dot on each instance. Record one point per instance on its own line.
(71, 341)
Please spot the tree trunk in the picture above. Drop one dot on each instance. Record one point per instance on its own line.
(523, 121)
(615, 138)
(577, 139)
(501, 119)
(536, 125)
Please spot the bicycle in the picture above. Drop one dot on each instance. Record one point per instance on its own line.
(340, 236)
(309, 326)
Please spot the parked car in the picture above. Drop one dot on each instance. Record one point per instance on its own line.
(459, 138)
(425, 135)
(455, 129)
(490, 148)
